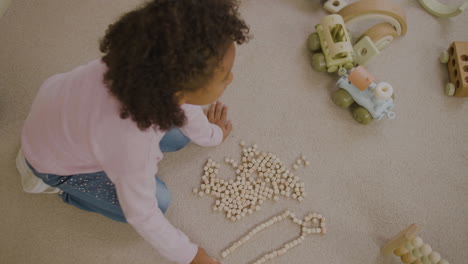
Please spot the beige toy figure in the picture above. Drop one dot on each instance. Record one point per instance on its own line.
(411, 249)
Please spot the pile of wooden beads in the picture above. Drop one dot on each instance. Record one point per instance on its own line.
(259, 176)
(416, 252)
(312, 224)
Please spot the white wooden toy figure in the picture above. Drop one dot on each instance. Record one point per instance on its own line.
(313, 223)
(411, 249)
(260, 176)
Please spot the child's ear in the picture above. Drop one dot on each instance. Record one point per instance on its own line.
(180, 97)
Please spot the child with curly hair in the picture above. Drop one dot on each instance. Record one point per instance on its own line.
(98, 132)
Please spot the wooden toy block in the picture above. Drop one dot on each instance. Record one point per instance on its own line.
(458, 67)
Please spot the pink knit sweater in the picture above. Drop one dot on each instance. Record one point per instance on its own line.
(74, 127)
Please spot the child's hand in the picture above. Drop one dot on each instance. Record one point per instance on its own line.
(203, 258)
(217, 114)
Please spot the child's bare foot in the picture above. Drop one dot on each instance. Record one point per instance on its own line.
(217, 114)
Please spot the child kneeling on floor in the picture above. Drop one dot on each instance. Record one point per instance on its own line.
(98, 132)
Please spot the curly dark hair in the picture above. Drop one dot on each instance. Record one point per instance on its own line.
(163, 47)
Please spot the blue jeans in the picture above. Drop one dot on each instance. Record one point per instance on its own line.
(94, 192)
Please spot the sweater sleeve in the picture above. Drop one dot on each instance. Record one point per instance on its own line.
(129, 157)
(199, 129)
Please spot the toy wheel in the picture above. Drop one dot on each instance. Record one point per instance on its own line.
(444, 57)
(318, 62)
(342, 71)
(342, 98)
(450, 89)
(362, 115)
(313, 42)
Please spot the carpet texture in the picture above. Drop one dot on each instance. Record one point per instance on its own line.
(369, 181)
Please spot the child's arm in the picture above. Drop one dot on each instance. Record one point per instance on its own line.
(217, 114)
(129, 158)
(206, 129)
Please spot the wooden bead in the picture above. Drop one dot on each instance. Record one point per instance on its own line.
(417, 253)
(425, 249)
(408, 246)
(324, 230)
(417, 242)
(400, 251)
(408, 258)
(425, 260)
(434, 257)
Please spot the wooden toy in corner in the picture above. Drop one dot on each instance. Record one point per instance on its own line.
(456, 58)
(411, 249)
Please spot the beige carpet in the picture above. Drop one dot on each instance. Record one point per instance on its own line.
(369, 181)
